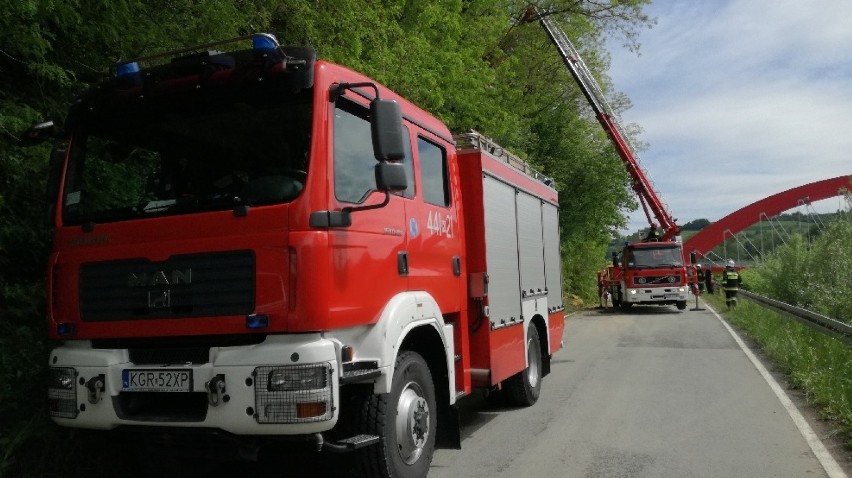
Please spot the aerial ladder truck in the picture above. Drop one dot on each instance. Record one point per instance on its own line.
(652, 271)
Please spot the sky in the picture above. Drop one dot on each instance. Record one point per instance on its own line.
(739, 100)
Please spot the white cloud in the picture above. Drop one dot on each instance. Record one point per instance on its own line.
(740, 100)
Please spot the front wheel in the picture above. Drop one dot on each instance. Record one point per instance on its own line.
(681, 305)
(406, 421)
(523, 388)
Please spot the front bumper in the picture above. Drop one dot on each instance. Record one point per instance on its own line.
(286, 385)
(656, 295)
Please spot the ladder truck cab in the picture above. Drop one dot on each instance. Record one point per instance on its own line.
(650, 272)
(254, 243)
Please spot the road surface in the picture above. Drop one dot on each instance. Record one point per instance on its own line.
(653, 393)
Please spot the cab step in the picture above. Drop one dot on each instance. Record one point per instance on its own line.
(349, 444)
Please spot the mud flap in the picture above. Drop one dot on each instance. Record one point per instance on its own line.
(449, 428)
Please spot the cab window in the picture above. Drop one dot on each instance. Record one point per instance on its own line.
(354, 162)
(434, 173)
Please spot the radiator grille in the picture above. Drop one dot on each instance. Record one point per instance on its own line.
(194, 285)
(656, 280)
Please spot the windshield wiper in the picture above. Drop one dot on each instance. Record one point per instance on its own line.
(199, 204)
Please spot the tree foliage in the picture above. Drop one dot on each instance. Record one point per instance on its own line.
(469, 62)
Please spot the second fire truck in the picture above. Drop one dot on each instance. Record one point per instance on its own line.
(653, 271)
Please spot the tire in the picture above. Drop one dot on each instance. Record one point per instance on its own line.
(523, 388)
(681, 305)
(406, 421)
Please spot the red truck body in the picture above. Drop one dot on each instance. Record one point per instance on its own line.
(227, 258)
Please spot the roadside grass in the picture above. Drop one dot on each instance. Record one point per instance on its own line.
(819, 365)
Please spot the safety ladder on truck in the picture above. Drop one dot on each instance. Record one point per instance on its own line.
(642, 185)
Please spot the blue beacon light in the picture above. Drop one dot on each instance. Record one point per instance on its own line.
(264, 42)
(126, 69)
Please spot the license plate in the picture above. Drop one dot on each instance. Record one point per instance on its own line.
(156, 380)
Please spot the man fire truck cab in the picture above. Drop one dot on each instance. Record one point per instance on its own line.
(229, 256)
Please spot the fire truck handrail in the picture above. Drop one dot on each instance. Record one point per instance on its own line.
(474, 140)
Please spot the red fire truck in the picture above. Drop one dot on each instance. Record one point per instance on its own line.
(252, 241)
(652, 271)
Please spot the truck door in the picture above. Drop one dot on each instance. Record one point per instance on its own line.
(434, 231)
(368, 260)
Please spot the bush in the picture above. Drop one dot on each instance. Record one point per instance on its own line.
(815, 276)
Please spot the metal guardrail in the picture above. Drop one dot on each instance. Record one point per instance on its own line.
(820, 323)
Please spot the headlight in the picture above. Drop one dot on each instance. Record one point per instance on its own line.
(632, 291)
(681, 289)
(294, 394)
(62, 392)
(289, 379)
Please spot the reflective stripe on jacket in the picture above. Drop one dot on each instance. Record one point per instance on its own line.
(731, 280)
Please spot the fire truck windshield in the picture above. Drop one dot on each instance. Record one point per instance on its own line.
(179, 156)
(651, 257)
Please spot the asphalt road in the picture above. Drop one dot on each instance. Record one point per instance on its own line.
(653, 393)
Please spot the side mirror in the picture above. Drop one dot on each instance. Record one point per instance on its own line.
(614, 259)
(39, 133)
(693, 257)
(386, 127)
(391, 177)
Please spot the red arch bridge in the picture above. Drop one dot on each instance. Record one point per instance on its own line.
(716, 233)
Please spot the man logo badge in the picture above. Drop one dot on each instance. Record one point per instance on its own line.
(159, 278)
(159, 299)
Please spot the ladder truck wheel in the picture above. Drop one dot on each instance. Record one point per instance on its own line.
(616, 299)
(681, 305)
(406, 421)
(523, 388)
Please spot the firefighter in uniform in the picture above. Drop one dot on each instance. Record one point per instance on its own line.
(731, 281)
(699, 277)
(708, 280)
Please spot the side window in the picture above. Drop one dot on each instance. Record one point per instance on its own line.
(354, 161)
(434, 173)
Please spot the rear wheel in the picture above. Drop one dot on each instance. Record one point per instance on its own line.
(523, 388)
(406, 421)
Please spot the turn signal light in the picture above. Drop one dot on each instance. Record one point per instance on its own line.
(310, 410)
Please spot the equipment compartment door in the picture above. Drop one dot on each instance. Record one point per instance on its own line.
(501, 252)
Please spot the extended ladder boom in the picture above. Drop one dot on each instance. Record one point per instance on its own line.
(648, 197)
